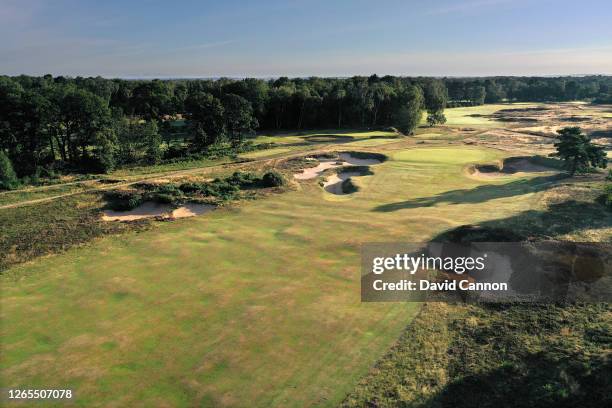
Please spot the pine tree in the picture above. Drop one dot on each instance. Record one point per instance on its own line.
(576, 149)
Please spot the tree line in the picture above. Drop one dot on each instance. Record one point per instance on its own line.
(477, 91)
(57, 124)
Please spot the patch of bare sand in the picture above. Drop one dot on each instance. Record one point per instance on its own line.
(191, 210)
(156, 210)
(333, 184)
(344, 159)
(316, 171)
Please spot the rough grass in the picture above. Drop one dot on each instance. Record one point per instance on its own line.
(496, 356)
(519, 355)
(233, 306)
(36, 193)
(464, 116)
(32, 231)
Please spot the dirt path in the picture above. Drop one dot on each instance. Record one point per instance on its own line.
(175, 173)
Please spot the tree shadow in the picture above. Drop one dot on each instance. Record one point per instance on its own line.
(327, 138)
(538, 380)
(479, 194)
(558, 219)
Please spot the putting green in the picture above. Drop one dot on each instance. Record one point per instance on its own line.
(258, 303)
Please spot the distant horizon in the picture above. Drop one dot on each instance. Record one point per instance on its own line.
(169, 78)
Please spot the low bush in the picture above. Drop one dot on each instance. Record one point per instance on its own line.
(272, 179)
(191, 188)
(168, 189)
(243, 179)
(162, 198)
(123, 200)
(221, 189)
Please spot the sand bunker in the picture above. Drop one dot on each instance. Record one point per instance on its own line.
(334, 183)
(344, 159)
(191, 210)
(155, 210)
(524, 165)
(509, 166)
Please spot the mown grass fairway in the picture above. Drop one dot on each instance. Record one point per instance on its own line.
(257, 304)
(474, 115)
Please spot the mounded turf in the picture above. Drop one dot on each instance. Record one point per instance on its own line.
(256, 304)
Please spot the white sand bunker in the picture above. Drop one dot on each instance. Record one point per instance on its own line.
(154, 210)
(344, 159)
(335, 181)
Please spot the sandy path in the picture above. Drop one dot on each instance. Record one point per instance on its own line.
(152, 176)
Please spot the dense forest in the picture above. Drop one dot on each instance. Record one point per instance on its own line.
(52, 125)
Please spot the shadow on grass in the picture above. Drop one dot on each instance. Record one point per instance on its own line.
(328, 138)
(553, 373)
(538, 379)
(559, 219)
(477, 195)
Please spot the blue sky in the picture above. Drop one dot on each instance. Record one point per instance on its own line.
(151, 38)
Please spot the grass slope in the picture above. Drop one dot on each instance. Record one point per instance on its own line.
(456, 355)
(258, 303)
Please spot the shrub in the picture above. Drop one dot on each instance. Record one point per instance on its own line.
(243, 179)
(123, 200)
(168, 189)
(146, 186)
(162, 198)
(164, 194)
(272, 179)
(191, 188)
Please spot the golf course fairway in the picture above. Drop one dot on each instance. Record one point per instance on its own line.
(255, 303)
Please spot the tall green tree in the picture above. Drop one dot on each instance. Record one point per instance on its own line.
(207, 119)
(76, 127)
(8, 178)
(410, 109)
(578, 152)
(381, 94)
(280, 98)
(338, 96)
(153, 142)
(138, 141)
(239, 119)
(436, 97)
